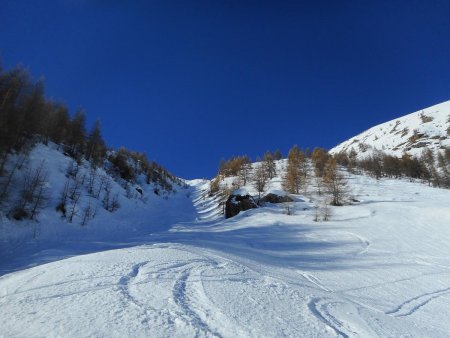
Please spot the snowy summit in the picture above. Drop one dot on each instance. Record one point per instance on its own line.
(427, 128)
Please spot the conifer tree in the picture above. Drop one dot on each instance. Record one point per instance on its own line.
(319, 157)
(269, 164)
(411, 166)
(57, 123)
(428, 161)
(296, 171)
(34, 112)
(444, 168)
(232, 166)
(277, 155)
(12, 87)
(391, 166)
(77, 134)
(335, 182)
(95, 146)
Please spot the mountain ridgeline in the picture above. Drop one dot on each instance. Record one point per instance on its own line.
(416, 146)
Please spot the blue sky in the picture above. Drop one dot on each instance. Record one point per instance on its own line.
(190, 82)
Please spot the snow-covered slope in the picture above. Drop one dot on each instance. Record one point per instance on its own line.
(428, 128)
(138, 212)
(380, 267)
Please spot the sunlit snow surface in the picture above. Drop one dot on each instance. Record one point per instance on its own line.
(380, 267)
(425, 129)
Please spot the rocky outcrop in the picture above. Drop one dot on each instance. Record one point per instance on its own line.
(274, 198)
(237, 203)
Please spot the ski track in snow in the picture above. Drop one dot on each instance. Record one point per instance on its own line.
(314, 280)
(319, 308)
(126, 282)
(365, 243)
(180, 294)
(412, 305)
(261, 274)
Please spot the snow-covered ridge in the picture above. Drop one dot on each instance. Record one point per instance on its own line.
(427, 128)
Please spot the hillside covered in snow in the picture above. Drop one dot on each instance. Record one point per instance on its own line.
(413, 133)
(60, 181)
(378, 267)
(98, 205)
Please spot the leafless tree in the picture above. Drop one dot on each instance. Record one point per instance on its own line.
(288, 209)
(335, 183)
(269, 165)
(89, 213)
(245, 173)
(33, 195)
(92, 178)
(110, 202)
(72, 169)
(7, 182)
(74, 202)
(316, 212)
(74, 195)
(326, 211)
(319, 184)
(75, 187)
(322, 212)
(104, 184)
(62, 205)
(260, 179)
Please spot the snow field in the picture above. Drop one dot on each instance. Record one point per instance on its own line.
(380, 267)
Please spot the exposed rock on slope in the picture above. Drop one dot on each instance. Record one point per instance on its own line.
(237, 203)
(427, 128)
(275, 198)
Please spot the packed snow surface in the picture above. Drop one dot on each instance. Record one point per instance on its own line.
(425, 129)
(380, 267)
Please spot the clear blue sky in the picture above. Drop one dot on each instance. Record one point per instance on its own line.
(190, 82)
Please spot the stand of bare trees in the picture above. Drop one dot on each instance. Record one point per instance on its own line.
(94, 186)
(232, 166)
(33, 194)
(7, 182)
(28, 118)
(26, 115)
(322, 212)
(431, 167)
